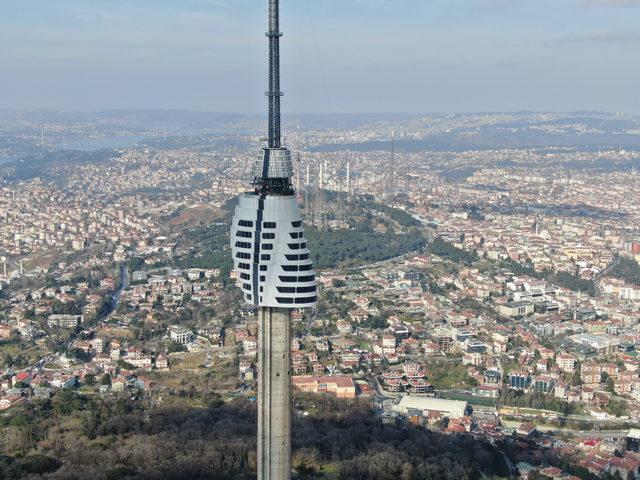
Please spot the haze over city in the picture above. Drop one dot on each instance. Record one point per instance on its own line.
(340, 56)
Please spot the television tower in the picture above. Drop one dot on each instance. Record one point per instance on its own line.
(318, 200)
(348, 178)
(390, 179)
(271, 257)
(299, 164)
(298, 172)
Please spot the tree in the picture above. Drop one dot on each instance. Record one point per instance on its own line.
(607, 381)
(351, 247)
(79, 354)
(8, 360)
(126, 365)
(378, 322)
(176, 347)
(90, 379)
(66, 402)
(39, 464)
(340, 439)
(157, 303)
(106, 379)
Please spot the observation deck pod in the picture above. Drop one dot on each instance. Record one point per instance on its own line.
(270, 252)
(273, 163)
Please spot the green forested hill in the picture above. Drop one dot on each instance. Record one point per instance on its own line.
(77, 437)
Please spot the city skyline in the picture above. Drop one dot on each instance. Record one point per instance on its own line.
(462, 56)
(194, 286)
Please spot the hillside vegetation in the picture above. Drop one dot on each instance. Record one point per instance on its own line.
(76, 437)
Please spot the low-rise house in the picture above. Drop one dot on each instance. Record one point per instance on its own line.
(9, 401)
(299, 368)
(323, 345)
(162, 362)
(526, 430)
(5, 330)
(340, 386)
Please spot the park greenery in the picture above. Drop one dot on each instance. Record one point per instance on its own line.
(537, 400)
(330, 249)
(211, 248)
(364, 242)
(448, 251)
(401, 217)
(449, 375)
(572, 282)
(206, 247)
(567, 280)
(627, 269)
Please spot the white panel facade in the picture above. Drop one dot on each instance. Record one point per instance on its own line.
(270, 252)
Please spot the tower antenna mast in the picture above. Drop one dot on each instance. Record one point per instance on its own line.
(274, 92)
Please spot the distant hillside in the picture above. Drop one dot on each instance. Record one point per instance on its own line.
(43, 166)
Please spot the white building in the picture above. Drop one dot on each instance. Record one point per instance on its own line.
(65, 321)
(448, 408)
(180, 334)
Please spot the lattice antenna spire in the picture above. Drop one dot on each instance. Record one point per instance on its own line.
(274, 92)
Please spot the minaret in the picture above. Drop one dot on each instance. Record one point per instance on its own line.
(275, 273)
(318, 200)
(298, 172)
(308, 210)
(299, 164)
(348, 178)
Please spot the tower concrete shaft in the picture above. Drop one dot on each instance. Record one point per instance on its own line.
(274, 394)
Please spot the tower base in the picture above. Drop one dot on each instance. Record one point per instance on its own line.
(274, 394)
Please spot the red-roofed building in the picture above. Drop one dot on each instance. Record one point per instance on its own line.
(11, 401)
(340, 386)
(627, 468)
(22, 377)
(526, 429)
(551, 472)
(5, 330)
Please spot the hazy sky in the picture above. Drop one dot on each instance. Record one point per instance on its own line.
(338, 55)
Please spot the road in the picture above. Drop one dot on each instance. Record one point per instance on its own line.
(597, 433)
(387, 261)
(603, 273)
(115, 298)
